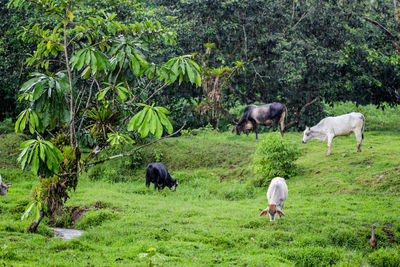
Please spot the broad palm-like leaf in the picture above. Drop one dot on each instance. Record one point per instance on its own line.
(151, 120)
(41, 156)
(48, 95)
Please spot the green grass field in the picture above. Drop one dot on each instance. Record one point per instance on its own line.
(212, 218)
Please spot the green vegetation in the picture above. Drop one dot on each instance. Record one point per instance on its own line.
(212, 218)
(274, 157)
(96, 82)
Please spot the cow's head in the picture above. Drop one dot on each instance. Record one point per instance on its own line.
(243, 126)
(307, 135)
(173, 184)
(272, 210)
(3, 188)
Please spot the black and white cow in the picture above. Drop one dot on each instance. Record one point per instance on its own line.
(3, 187)
(158, 174)
(330, 127)
(253, 116)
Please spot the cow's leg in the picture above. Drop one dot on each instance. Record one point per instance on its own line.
(359, 139)
(275, 125)
(330, 139)
(156, 183)
(256, 130)
(147, 179)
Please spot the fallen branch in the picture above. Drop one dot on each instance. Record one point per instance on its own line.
(134, 151)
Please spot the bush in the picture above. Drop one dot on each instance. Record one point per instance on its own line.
(275, 156)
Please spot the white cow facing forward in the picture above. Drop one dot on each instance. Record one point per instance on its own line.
(276, 195)
(330, 127)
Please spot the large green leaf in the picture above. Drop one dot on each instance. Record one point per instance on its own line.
(190, 73)
(136, 121)
(36, 151)
(153, 121)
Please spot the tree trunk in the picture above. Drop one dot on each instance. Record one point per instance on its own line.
(34, 225)
(71, 97)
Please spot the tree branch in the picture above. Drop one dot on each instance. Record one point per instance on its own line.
(387, 32)
(86, 107)
(155, 92)
(134, 151)
(302, 110)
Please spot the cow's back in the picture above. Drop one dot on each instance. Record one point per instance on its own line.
(268, 112)
(277, 191)
(155, 169)
(342, 125)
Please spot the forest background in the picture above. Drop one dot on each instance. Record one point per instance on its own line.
(300, 53)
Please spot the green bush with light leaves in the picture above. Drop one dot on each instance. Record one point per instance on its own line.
(275, 156)
(94, 77)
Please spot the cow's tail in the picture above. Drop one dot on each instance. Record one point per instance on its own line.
(362, 130)
(282, 119)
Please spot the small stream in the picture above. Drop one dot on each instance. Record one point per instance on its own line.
(66, 234)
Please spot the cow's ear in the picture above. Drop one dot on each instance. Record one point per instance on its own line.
(264, 212)
(281, 213)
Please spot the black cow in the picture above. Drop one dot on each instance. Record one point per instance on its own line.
(158, 174)
(254, 115)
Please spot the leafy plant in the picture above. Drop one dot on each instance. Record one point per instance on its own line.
(34, 208)
(41, 155)
(273, 157)
(76, 52)
(151, 257)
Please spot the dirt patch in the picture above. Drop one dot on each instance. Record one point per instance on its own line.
(73, 214)
(390, 234)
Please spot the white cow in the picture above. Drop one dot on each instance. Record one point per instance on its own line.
(3, 187)
(276, 195)
(330, 127)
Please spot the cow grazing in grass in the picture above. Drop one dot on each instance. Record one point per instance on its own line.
(3, 187)
(253, 116)
(158, 174)
(330, 127)
(276, 195)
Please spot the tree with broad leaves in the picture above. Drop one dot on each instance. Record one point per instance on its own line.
(93, 78)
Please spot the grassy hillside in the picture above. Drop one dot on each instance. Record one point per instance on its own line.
(212, 218)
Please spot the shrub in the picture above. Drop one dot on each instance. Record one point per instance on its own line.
(275, 156)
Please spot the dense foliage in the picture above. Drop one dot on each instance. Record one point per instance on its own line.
(295, 52)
